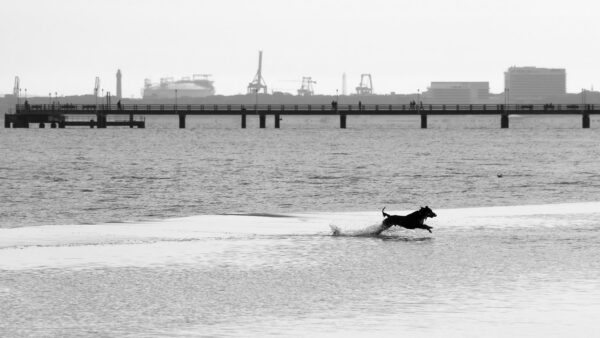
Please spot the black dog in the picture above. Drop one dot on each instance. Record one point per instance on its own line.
(411, 221)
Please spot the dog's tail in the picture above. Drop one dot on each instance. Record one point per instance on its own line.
(383, 212)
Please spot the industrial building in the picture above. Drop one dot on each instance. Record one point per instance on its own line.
(196, 87)
(527, 84)
(457, 92)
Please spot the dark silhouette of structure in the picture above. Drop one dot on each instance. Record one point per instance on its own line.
(66, 114)
(258, 83)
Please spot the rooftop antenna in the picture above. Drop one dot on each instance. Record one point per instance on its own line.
(258, 83)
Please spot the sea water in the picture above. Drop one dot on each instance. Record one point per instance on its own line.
(218, 231)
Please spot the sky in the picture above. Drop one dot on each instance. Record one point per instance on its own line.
(60, 46)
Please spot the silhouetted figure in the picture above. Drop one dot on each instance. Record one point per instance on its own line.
(26, 104)
(119, 106)
(359, 105)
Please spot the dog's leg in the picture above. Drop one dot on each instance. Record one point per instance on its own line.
(426, 227)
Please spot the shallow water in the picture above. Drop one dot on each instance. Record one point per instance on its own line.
(526, 271)
(89, 245)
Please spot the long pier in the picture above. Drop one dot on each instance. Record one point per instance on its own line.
(132, 115)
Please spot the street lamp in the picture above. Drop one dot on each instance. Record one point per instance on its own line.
(175, 99)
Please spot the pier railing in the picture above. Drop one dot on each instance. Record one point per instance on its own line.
(59, 113)
(306, 108)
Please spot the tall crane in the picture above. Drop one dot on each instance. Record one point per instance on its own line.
(307, 86)
(258, 83)
(366, 85)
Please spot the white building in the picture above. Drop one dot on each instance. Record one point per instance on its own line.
(458, 92)
(531, 83)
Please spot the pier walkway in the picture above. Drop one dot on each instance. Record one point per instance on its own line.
(74, 114)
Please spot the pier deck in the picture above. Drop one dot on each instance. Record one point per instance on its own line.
(61, 114)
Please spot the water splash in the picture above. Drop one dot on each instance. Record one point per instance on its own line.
(370, 231)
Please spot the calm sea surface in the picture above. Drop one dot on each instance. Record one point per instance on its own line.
(219, 231)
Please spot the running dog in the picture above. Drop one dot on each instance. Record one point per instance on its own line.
(411, 221)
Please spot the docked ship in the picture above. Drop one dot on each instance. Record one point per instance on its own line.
(199, 85)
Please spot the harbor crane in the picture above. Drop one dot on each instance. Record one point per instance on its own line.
(258, 83)
(366, 85)
(307, 86)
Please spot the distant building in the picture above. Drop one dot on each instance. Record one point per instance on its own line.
(531, 83)
(198, 86)
(458, 92)
(119, 88)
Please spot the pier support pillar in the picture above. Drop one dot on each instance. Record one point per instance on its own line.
(53, 125)
(20, 122)
(6, 121)
(61, 125)
(262, 120)
(277, 119)
(130, 120)
(504, 121)
(423, 121)
(100, 121)
(585, 121)
(343, 121)
(181, 121)
(243, 121)
(42, 125)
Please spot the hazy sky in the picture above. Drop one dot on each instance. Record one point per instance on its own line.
(62, 45)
